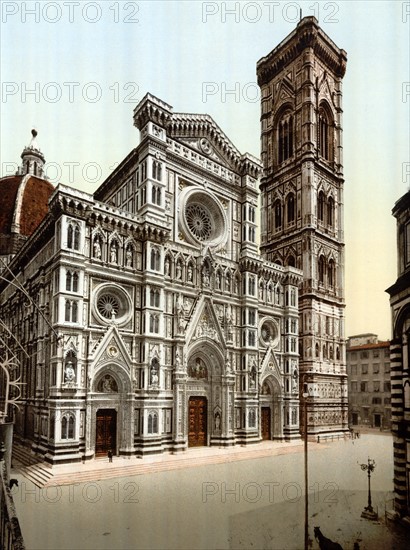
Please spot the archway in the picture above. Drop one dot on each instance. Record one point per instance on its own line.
(271, 421)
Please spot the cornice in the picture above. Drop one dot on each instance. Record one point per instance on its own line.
(307, 34)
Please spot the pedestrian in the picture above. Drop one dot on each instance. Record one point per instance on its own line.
(109, 455)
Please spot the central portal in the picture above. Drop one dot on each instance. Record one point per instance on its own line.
(197, 417)
(106, 432)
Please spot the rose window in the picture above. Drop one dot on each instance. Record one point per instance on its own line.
(108, 306)
(112, 303)
(269, 332)
(202, 217)
(199, 221)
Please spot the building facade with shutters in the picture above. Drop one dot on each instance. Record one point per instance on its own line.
(368, 370)
(400, 360)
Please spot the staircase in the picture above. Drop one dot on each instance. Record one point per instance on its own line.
(30, 466)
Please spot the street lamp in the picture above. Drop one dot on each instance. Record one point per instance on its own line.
(305, 395)
(368, 512)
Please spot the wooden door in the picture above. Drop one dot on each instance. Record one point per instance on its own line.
(197, 411)
(265, 421)
(106, 432)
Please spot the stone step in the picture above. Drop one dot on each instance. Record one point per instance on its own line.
(142, 467)
(39, 474)
(21, 455)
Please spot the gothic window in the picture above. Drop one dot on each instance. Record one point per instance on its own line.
(290, 207)
(338, 353)
(71, 311)
(251, 286)
(156, 170)
(278, 214)
(73, 236)
(324, 134)
(317, 350)
(67, 427)
(331, 273)
(251, 338)
(154, 323)
(291, 261)
(143, 170)
(156, 195)
(154, 298)
(155, 259)
(285, 137)
(251, 213)
(330, 211)
(321, 207)
(322, 266)
(153, 423)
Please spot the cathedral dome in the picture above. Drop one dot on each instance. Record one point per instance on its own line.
(24, 199)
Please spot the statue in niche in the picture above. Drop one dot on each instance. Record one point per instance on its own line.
(97, 249)
(217, 422)
(113, 253)
(154, 373)
(205, 276)
(295, 381)
(69, 372)
(218, 280)
(178, 271)
(190, 273)
(252, 377)
(167, 267)
(128, 257)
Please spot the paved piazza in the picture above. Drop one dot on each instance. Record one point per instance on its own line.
(201, 502)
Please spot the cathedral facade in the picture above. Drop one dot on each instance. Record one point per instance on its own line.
(144, 318)
(154, 323)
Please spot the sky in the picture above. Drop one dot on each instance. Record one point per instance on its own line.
(75, 70)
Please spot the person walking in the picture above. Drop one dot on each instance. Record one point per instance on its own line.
(109, 454)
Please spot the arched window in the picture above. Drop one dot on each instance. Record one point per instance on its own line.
(290, 207)
(291, 261)
(285, 137)
(67, 427)
(74, 287)
(155, 259)
(317, 350)
(278, 215)
(152, 423)
(321, 207)
(322, 268)
(330, 211)
(68, 280)
(73, 236)
(331, 273)
(324, 134)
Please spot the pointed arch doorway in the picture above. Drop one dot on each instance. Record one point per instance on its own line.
(106, 432)
(197, 419)
(271, 410)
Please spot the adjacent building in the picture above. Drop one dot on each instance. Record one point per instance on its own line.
(368, 370)
(400, 359)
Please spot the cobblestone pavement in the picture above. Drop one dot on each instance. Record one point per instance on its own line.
(215, 498)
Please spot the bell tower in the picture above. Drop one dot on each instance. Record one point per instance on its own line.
(302, 205)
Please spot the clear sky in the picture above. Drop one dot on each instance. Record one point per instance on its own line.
(76, 69)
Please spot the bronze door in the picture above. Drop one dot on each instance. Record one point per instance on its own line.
(106, 432)
(265, 421)
(197, 411)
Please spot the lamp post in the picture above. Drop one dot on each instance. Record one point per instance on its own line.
(368, 512)
(305, 395)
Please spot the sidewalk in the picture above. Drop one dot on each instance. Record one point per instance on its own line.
(101, 468)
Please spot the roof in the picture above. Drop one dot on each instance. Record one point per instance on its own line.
(24, 203)
(369, 346)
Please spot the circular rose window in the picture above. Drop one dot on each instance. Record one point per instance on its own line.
(112, 303)
(202, 217)
(269, 332)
